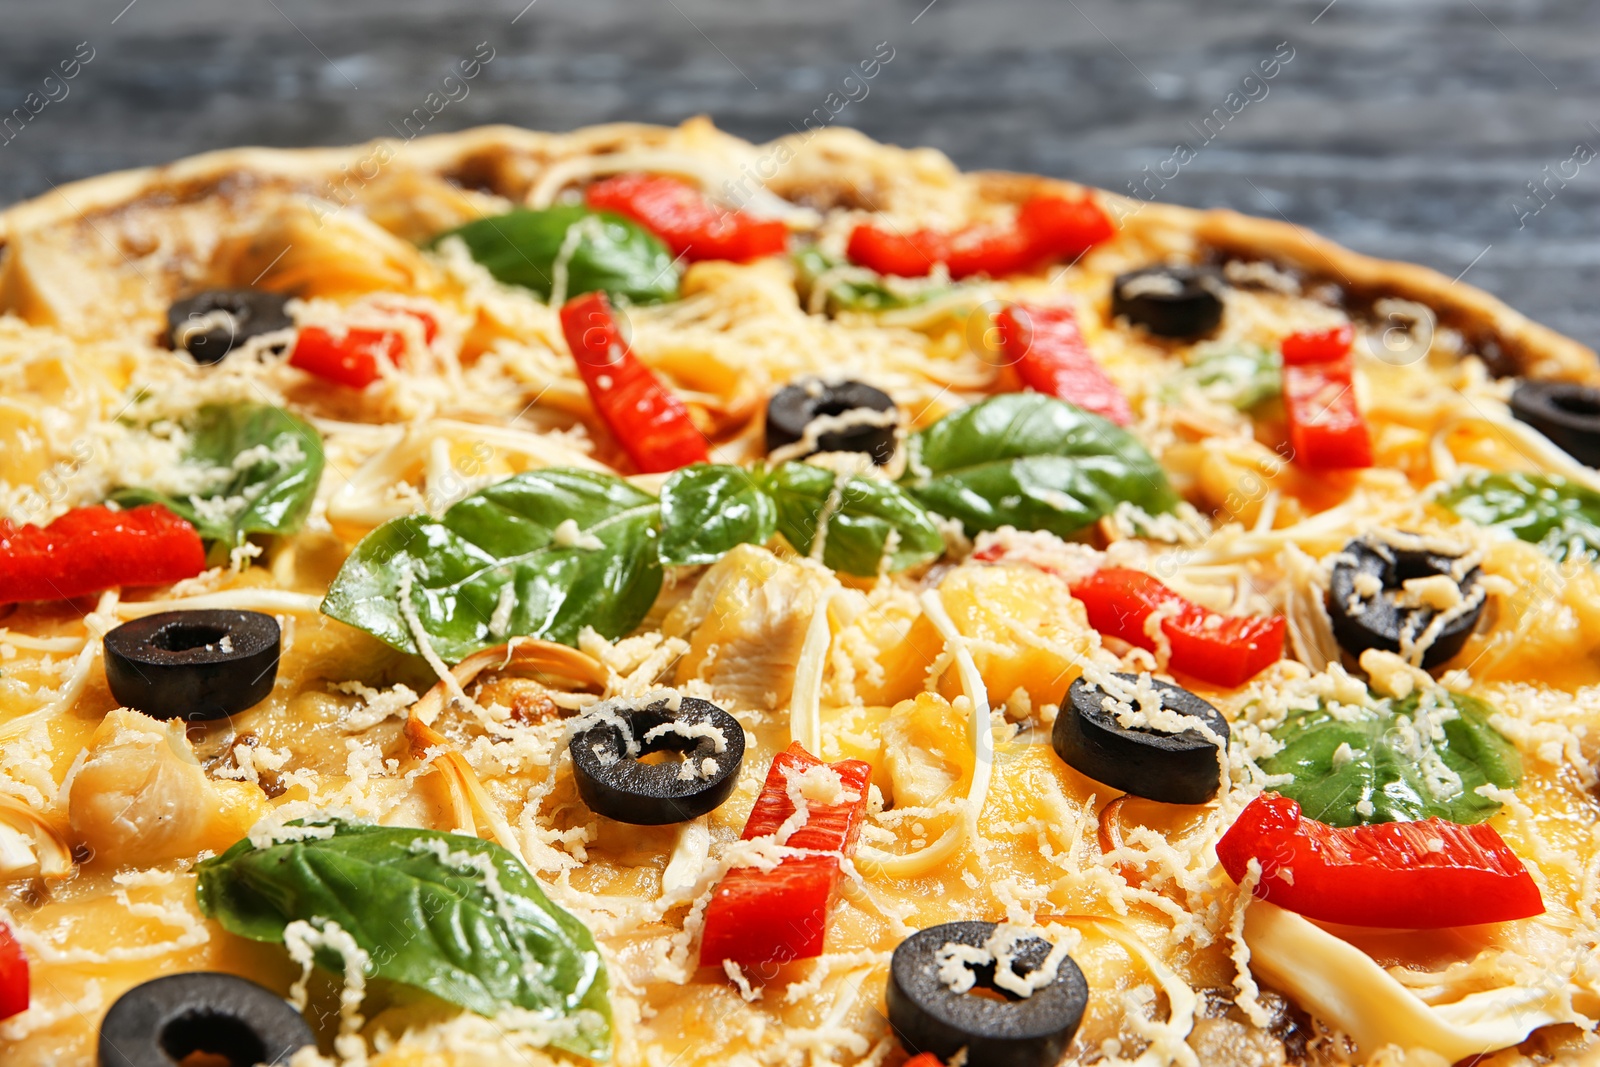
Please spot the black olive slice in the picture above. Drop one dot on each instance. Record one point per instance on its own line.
(208, 325)
(1565, 412)
(214, 1017)
(193, 664)
(1174, 768)
(1365, 612)
(999, 1031)
(796, 406)
(621, 786)
(1170, 301)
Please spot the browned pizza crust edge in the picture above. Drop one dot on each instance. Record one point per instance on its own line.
(1508, 340)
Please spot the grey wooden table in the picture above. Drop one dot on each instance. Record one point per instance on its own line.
(1404, 130)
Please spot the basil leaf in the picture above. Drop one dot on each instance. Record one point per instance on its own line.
(1033, 462)
(1560, 516)
(456, 916)
(263, 464)
(1243, 376)
(868, 520)
(858, 289)
(504, 537)
(1391, 765)
(609, 253)
(707, 509)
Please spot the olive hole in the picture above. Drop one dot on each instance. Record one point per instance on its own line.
(832, 407)
(990, 994)
(206, 1039)
(1584, 404)
(182, 638)
(1410, 566)
(658, 755)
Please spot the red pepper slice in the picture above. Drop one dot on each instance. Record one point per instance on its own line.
(1225, 650)
(909, 255)
(1051, 356)
(347, 359)
(686, 222)
(13, 975)
(351, 358)
(774, 916)
(1046, 228)
(652, 424)
(1320, 346)
(1405, 875)
(1326, 428)
(923, 1059)
(90, 549)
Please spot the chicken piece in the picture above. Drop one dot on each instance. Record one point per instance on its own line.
(1023, 628)
(141, 796)
(926, 752)
(325, 252)
(745, 623)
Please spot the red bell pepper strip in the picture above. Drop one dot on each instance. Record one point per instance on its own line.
(652, 424)
(758, 916)
(1051, 357)
(1326, 429)
(351, 358)
(923, 1059)
(1046, 228)
(1225, 650)
(686, 222)
(90, 549)
(1409, 875)
(13, 975)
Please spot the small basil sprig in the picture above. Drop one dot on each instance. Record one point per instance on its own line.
(1559, 515)
(456, 916)
(597, 250)
(708, 509)
(1239, 375)
(1383, 764)
(868, 525)
(1033, 462)
(262, 463)
(855, 289)
(542, 554)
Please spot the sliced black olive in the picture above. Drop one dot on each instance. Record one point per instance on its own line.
(621, 786)
(1565, 412)
(1364, 609)
(1170, 301)
(1174, 768)
(795, 407)
(209, 1016)
(193, 664)
(208, 325)
(1000, 1031)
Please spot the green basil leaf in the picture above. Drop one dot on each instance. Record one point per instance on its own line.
(868, 520)
(263, 465)
(1559, 515)
(1034, 462)
(505, 537)
(1241, 375)
(609, 253)
(707, 509)
(1392, 771)
(856, 288)
(456, 916)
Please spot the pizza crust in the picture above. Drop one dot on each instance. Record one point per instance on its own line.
(827, 168)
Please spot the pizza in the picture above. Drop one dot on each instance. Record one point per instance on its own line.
(635, 595)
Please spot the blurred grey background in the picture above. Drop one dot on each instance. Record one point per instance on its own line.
(1407, 130)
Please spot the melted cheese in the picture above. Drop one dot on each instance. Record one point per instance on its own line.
(1342, 984)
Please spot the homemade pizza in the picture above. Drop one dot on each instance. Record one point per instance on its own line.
(638, 596)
